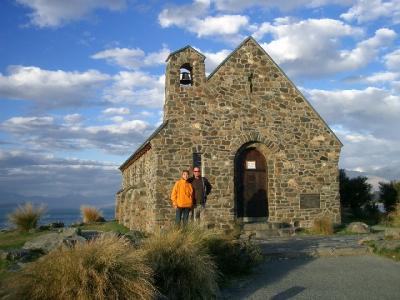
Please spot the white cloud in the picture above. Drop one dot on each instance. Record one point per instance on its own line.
(48, 133)
(73, 118)
(132, 58)
(116, 111)
(240, 5)
(180, 15)
(54, 13)
(379, 77)
(392, 60)
(369, 10)
(40, 175)
(193, 18)
(137, 88)
(313, 47)
(213, 59)
(51, 89)
(225, 25)
(373, 155)
(373, 110)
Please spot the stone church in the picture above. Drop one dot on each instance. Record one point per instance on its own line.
(268, 154)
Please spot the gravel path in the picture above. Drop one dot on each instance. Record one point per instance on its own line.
(343, 277)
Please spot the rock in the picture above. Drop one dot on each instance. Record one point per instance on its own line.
(392, 233)
(50, 241)
(358, 227)
(23, 255)
(91, 234)
(369, 238)
(70, 231)
(56, 225)
(44, 227)
(101, 220)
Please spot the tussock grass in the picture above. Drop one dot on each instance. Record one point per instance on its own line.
(90, 214)
(233, 257)
(182, 267)
(323, 225)
(105, 268)
(27, 216)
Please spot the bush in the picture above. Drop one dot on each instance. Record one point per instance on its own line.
(26, 216)
(233, 257)
(182, 267)
(91, 214)
(393, 218)
(105, 268)
(323, 225)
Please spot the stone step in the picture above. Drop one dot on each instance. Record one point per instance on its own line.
(261, 226)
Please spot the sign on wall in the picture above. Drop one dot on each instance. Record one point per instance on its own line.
(250, 164)
(309, 201)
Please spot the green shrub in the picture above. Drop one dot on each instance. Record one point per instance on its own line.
(233, 257)
(26, 217)
(182, 267)
(105, 268)
(90, 214)
(323, 225)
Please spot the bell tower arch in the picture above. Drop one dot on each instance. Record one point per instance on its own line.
(184, 79)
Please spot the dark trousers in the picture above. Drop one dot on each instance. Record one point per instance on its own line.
(182, 214)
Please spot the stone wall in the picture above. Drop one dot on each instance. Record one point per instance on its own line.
(135, 203)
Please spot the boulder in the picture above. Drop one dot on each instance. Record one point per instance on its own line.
(51, 241)
(358, 227)
(23, 255)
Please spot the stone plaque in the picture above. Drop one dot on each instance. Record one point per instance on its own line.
(309, 201)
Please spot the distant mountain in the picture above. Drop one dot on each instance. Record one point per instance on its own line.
(372, 179)
(66, 201)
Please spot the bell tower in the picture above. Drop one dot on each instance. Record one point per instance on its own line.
(184, 81)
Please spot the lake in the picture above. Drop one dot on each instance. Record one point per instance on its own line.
(65, 215)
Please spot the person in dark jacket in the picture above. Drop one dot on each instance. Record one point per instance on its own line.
(201, 189)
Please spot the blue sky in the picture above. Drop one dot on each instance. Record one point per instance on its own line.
(82, 81)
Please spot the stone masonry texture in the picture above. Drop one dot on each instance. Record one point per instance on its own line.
(247, 101)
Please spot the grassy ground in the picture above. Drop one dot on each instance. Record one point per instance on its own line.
(389, 253)
(16, 239)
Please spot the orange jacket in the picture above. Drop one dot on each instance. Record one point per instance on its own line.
(182, 193)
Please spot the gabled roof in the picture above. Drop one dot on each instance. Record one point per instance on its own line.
(183, 49)
(143, 148)
(250, 38)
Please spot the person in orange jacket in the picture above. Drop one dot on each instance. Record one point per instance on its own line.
(182, 198)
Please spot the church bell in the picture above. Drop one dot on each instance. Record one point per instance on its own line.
(185, 78)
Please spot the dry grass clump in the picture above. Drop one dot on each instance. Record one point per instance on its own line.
(27, 216)
(105, 268)
(233, 257)
(182, 267)
(323, 225)
(90, 214)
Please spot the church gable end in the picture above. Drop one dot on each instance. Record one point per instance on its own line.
(267, 153)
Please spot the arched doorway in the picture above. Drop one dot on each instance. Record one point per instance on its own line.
(251, 184)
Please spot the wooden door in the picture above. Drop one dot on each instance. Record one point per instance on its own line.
(252, 180)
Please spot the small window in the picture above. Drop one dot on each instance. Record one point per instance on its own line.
(185, 77)
(197, 160)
